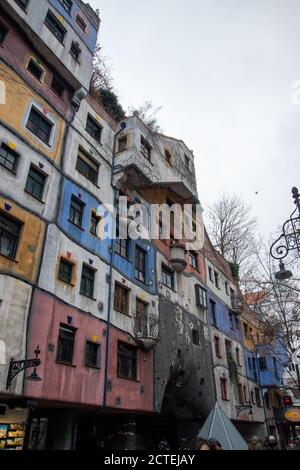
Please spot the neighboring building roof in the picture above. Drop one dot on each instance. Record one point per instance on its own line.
(253, 298)
(219, 427)
(216, 258)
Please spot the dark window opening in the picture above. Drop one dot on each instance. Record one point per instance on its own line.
(65, 345)
(121, 299)
(94, 224)
(81, 23)
(55, 26)
(87, 281)
(67, 4)
(217, 347)
(213, 312)
(92, 354)
(146, 148)
(22, 3)
(39, 125)
(257, 396)
(210, 273)
(57, 87)
(196, 337)
(76, 212)
(262, 363)
(87, 166)
(127, 361)
(140, 264)
(65, 271)
(35, 70)
(193, 259)
(201, 297)
(35, 183)
(10, 231)
(122, 144)
(224, 389)
(93, 128)
(8, 158)
(75, 51)
(168, 278)
(3, 32)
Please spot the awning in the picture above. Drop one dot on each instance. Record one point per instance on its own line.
(219, 427)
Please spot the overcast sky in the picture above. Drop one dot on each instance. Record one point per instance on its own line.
(223, 72)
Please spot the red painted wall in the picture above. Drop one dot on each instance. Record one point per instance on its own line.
(77, 384)
(128, 391)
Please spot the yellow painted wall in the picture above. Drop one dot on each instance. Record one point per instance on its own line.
(30, 243)
(18, 98)
(247, 341)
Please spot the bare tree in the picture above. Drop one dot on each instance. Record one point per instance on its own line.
(102, 71)
(232, 228)
(147, 113)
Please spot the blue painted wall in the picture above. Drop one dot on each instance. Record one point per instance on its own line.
(101, 248)
(250, 369)
(222, 319)
(90, 38)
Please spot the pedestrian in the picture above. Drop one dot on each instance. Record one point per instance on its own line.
(271, 443)
(206, 444)
(255, 444)
(291, 445)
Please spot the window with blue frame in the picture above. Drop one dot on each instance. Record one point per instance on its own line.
(262, 363)
(76, 212)
(67, 4)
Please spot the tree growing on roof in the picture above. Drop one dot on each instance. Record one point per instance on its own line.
(147, 112)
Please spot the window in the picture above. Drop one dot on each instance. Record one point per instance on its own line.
(193, 260)
(3, 32)
(210, 275)
(168, 278)
(217, 279)
(241, 394)
(252, 397)
(93, 128)
(187, 161)
(145, 149)
(275, 368)
(201, 297)
(94, 224)
(217, 347)
(267, 400)
(223, 389)
(196, 337)
(254, 368)
(75, 51)
(8, 158)
(65, 271)
(231, 320)
(226, 288)
(57, 87)
(55, 26)
(245, 329)
(168, 156)
(22, 3)
(121, 247)
(262, 363)
(245, 394)
(238, 323)
(92, 354)
(121, 300)
(81, 23)
(249, 363)
(87, 281)
(238, 356)
(127, 361)
(257, 396)
(213, 312)
(76, 211)
(87, 166)
(35, 183)
(39, 125)
(10, 231)
(67, 4)
(35, 70)
(122, 143)
(65, 345)
(140, 264)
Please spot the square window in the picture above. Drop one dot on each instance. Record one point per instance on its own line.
(75, 51)
(122, 144)
(67, 4)
(193, 260)
(140, 264)
(87, 281)
(39, 125)
(127, 361)
(65, 346)
(122, 247)
(35, 70)
(55, 26)
(76, 211)
(65, 271)
(8, 158)
(35, 183)
(92, 354)
(87, 166)
(168, 277)
(121, 299)
(93, 128)
(57, 86)
(10, 230)
(3, 32)
(201, 296)
(81, 23)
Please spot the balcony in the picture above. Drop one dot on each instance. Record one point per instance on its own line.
(236, 305)
(146, 329)
(178, 257)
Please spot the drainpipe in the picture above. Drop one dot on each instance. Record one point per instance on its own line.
(123, 126)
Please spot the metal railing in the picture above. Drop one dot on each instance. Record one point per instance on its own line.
(146, 326)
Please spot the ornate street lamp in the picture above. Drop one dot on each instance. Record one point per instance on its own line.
(15, 367)
(289, 240)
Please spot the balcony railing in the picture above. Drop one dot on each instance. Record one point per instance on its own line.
(236, 305)
(146, 329)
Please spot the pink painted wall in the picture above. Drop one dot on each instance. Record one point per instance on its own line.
(127, 390)
(16, 52)
(76, 384)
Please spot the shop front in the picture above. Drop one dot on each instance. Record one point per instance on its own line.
(13, 423)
